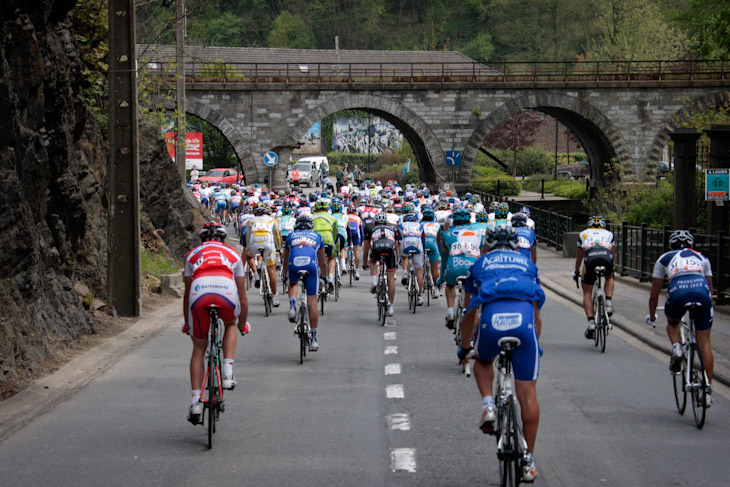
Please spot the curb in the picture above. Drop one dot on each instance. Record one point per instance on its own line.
(625, 326)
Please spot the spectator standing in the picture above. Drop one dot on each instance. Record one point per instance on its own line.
(194, 175)
(340, 177)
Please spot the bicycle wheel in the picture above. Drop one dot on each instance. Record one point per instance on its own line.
(322, 299)
(698, 385)
(508, 464)
(382, 301)
(212, 395)
(680, 387)
(413, 292)
(602, 327)
(302, 335)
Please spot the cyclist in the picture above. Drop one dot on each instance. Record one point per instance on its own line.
(213, 274)
(341, 237)
(595, 244)
(304, 251)
(530, 222)
(460, 247)
(511, 310)
(527, 241)
(221, 203)
(326, 225)
(286, 221)
(481, 223)
(235, 202)
(412, 239)
(690, 281)
(382, 238)
(262, 232)
(431, 244)
(355, 236)
(502, 215)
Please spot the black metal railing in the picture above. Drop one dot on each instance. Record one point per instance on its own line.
(588, 72)
(550, 226)
(639, 247)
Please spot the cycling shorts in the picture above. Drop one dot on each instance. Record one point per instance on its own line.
(355, 237)
(384, 247)
(432, 249)
(340, 242)
(304, 263)
(595, 258)
(204, 200)
(415, 244)
(235, 207)
(329, 250)
(690, 289)
(211, 290)
(457, 266)
(514, 318)
(220, 206)
(269, 251)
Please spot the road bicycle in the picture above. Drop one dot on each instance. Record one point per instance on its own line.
(303, 330)
(427, 279)
(338, 278)
(282, 275)
(458, 312)
(322, 297)
(212, 397)
(691, 378)
(382, 291)
(603, 324)
(265, 284)
(412, 284)
(350, 261)
(511, 444)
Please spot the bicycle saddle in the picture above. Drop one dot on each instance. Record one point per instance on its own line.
(509, 343)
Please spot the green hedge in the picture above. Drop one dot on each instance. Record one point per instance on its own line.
(506, 187)
(567, 188)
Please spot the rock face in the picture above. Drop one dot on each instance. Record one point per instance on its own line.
(53, 189)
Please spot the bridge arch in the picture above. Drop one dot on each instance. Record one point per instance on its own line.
(599, 137)
(691, 108)
(233, 136)
(424, 142)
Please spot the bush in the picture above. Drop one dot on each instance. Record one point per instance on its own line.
(487, 181)
(567, 188)
(413, 177)
(653, 207)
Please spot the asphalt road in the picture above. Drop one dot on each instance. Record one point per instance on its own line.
(607, 419)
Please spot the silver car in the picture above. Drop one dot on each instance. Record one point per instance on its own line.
(306, 173)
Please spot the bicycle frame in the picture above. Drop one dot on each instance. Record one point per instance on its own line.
(382, 293)
(696, 386)
(212, 382)
(412, 283)
(603, 324)
(303, 326)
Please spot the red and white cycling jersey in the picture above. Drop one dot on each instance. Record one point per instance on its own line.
(213, 259)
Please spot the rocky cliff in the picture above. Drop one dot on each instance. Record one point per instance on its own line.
(53, 196)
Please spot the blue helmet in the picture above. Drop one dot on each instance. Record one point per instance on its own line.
(502, 237)
(428, 215)
(410, 217)
(304, 222)
(461, 216)
(519, 220)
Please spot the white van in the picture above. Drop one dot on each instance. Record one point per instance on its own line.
(318, 161)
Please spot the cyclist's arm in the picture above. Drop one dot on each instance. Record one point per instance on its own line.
(186, 299)
(243, 300)
(538, 319)
(579, 254)
(467, 324)
(322, 261)
(533, 254)
(656, 288)
(285, 261)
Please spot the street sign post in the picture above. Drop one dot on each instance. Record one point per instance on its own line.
(270, 160)
(453, 158)
(717, 184)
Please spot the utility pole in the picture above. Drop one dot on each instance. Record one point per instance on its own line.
(123, 258)
(180, 127)
(555, 174)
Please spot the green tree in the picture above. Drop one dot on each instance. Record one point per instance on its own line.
(290, 31)
(708, 24)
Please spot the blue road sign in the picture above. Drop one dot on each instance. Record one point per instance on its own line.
(453, 158)
(717, 184)
(270, 159)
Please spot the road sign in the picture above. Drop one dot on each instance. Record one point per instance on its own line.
(453, 158)
(717, 184)
(270, 159)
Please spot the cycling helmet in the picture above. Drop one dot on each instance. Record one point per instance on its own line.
(502, 211)
(377, 198)
(313, 197)
(493, 206)
(337, 208)
(351, 210)
(260, 209)
(461, 216)
(408, 208)
(525, 211)
(286, 210)
(482, 217)
(212, 231)
(410, 217)
(304, 222)
(380, 219)
(502, 237)
(428, 215)
(443, 205)
(681, 239)
(596, 221)
(321, 205)
(519, 220)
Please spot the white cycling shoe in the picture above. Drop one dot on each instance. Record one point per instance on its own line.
(529, 472)
(195, 412)
(228, 383)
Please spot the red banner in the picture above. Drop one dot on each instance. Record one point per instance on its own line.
(193, 148)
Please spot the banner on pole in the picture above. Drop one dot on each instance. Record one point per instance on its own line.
(193, 148)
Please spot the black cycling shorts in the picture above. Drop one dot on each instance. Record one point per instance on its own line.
(597, 258)
(384, 247)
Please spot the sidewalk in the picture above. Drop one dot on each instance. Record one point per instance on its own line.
(631, 305)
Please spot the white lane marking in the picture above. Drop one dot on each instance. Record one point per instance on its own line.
(403, 459)
(389, 324)
(394, 391)
(390, 335)
(392, 369)
(391, 350)
(399, 421)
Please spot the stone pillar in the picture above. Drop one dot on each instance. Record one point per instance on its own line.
(718, 217)
(281, 169)
(685, 177)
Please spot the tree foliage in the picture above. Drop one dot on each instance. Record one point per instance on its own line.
(515, 133)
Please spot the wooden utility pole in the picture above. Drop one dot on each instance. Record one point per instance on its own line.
(180, 126)
(123, 259)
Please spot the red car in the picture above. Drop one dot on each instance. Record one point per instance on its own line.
(221, 175)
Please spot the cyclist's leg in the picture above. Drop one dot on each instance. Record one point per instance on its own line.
(703, 342)
(391, 264)
(197, 367)
(608, 286)
(418, 261)
(588, 299)
(527, 395)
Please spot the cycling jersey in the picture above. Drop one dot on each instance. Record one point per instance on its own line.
(287, 225)
(687, 271)
(303, 246)
(412, 237)
(354, 223)
(526, 239)
(383, 240)
(262, 232)
(592, 238)
(460, 247)
(213, 267)
(431, 233)
(326, 225)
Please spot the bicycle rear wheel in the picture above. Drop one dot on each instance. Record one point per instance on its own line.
(322, 299)
(302, 335)
(680, 387)
(212, 397)
(698, 385)
(602, 328)
(508, 455)
(382, 302)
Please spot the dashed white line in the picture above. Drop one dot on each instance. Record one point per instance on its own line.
(392, 369)
(399, 421)
(394, 391)
(403, 459)
(390, 335)
(391, 350)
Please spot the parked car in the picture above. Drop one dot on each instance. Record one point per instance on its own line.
(579, 170)
(221, 175)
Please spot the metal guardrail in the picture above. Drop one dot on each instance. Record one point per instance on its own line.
(550, 226)
(592, 72)
(639, 247)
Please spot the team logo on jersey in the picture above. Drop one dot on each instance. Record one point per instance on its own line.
(506, 321)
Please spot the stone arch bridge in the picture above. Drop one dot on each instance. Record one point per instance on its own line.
(450, 103)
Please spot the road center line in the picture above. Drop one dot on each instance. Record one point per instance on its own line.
(391, 350)
(399, 421)
(392, 369)
(403, 459)
(390, 335)
(394, 391)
